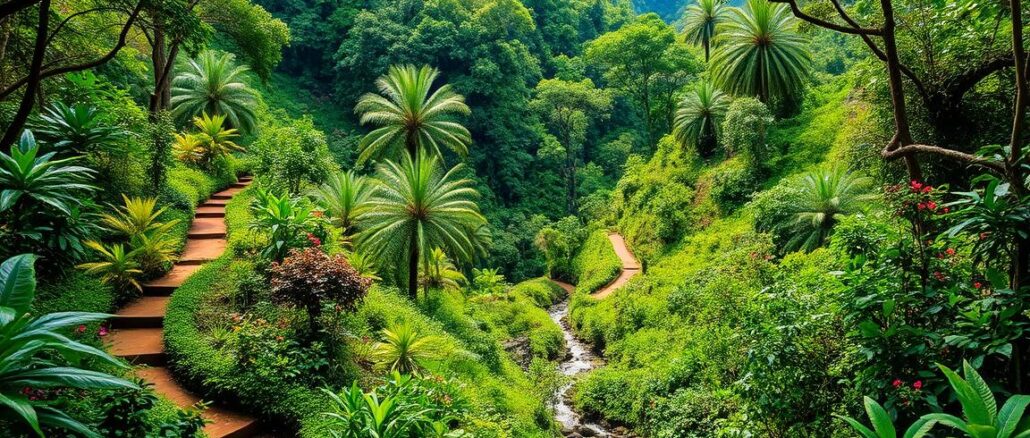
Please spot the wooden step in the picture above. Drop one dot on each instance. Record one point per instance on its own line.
(199, 251)
(215, 203)
(224, 423)
(245, 179)
(207, 228)
(167, 284)
(227, 193)
(146, 312)
(138, 345)
(211, 212)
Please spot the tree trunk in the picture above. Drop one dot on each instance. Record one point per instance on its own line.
(901, 124)
(413, 267)
(35, 70)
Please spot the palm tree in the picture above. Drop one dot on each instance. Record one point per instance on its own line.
(213, 84)
(344, 195)
(417, 206)
(699, 118)
(759, 53)
(826, 196)
(701, 21)
(403, 349)
(409, 116)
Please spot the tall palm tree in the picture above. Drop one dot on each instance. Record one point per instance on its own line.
(699, 117)
(409, 116)
(826, 196)
(701, 21)
(759, 53)
(416, 207)
(344, 194)
(214, 84)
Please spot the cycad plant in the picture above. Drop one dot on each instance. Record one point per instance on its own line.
(29, 180)
(117, 266)
(404, 350)
(410, 116)
(759, 53)
(187, 148)
(137, 216)
(826, 196)
(415, 207)
(438, 272)
(701, 21)
(699, 118)
(344, 195)
(214, 84)
(35, 353)
(215, 139)
(77, 129)
(982, 418)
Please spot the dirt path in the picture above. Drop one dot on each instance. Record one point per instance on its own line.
(630, 266)
(138, 328)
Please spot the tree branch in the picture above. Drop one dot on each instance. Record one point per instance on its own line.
(895, 151)
(22, 115)
(83, 66)
(853, 29)
(14, 6)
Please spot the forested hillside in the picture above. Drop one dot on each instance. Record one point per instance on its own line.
(514, 218)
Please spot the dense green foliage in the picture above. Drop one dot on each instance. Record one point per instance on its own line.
(827, 201)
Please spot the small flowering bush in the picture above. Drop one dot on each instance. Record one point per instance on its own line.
(291, 223)
(311, 280)
(927, 298)
(271, 352)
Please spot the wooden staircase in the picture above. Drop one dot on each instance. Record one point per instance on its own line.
(138, 327)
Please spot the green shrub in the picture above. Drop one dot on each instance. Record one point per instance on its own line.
(745, 129)
(292, 153)
(596, 265)
(74, 290)
(733, 185)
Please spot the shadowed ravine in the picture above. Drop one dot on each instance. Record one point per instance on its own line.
(580, 358)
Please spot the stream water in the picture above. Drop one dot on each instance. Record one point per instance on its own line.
(579, 359)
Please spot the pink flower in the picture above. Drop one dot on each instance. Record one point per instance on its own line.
(314, 240)
(896, 383)
(80, 329)
(102, 331)
(918, 384)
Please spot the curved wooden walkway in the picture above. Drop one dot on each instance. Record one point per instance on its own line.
(138, 328)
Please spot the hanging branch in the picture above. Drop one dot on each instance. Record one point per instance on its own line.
(122, 40)
(22, 115)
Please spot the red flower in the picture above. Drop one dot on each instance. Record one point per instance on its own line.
(932, 205)
(977, 285)
(915, 185)
(921, 206)
(946, 210)
(950, 251)
(927, 189)
(896, 383)
(26, 390)
(80, 329)
(918, 384)
(314, 240)
(939, 276)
